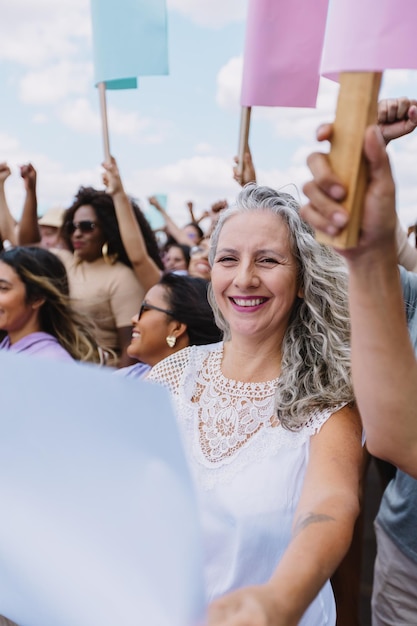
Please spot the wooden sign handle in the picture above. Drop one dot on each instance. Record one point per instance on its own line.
(104, 123)
(356, 109)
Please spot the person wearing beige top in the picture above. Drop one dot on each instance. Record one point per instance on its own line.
(103, 283)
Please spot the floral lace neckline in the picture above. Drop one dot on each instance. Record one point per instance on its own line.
(229, 424)
(230, 412)
(259, 390)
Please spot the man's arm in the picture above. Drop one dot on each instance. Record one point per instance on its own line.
(384, 366)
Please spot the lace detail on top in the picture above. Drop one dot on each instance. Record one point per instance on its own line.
(227, 424)
(230, 412)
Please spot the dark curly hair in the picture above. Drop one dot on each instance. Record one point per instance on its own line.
(103, 206)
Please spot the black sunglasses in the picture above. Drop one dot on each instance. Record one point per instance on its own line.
(85, 226)
(149, 307)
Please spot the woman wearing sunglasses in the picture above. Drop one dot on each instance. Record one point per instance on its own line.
(174, 314)
(102, 281)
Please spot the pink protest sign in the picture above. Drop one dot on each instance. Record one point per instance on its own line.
(370, 36)
(284, 40)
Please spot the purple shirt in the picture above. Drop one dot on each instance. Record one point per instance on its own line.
(40, 344)
(138, 370)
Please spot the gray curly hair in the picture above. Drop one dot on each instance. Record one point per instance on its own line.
(315, 366)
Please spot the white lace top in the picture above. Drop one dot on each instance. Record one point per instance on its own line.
(248, 471)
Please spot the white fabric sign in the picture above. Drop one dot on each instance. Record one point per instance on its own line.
(98, 520)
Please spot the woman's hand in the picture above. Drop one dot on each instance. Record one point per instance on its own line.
(5, 172)
(397, 117)
(250, 606)
(247, 174)
(28, 173)
(153, 201)
(111, 177)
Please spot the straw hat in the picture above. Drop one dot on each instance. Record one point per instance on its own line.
(52, 217)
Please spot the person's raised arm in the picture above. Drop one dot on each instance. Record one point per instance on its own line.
(7, 221)
(214, 213)
(145, 268)
(28, 226)
(322, 531)
(190, 207)
(384, 366)
(171, 227)
(396, 117)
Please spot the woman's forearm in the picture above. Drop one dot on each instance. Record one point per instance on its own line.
(28, 226)
(146, 270)
(7, 221)
(321, 539)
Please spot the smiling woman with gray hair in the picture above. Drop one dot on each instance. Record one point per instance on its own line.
(272, 435)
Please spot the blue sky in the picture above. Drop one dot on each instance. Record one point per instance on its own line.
(176, 134)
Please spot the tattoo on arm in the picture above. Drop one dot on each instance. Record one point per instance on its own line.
(310, 518)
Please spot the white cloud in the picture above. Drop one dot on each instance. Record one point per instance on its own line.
(211, 13)
(203, 148)
(55, 185)
(139, 128)
(9, 146)
(290, 179)
(56, 82)
(40, 118)
(33, 33)
(229, 81)
(80, 116)
(294, 123)
(393, 79)
(58, 185)
(202, 179)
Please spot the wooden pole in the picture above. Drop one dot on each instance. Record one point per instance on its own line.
(243, 138)
(356, 109)
(104, 124)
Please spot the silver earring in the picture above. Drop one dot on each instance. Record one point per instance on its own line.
(171, 340)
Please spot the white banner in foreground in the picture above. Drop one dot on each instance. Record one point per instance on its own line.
(98, 519)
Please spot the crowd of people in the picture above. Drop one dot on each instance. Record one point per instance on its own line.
(282, 356)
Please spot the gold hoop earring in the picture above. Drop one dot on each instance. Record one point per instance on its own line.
(171, 340)
(110, 259)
